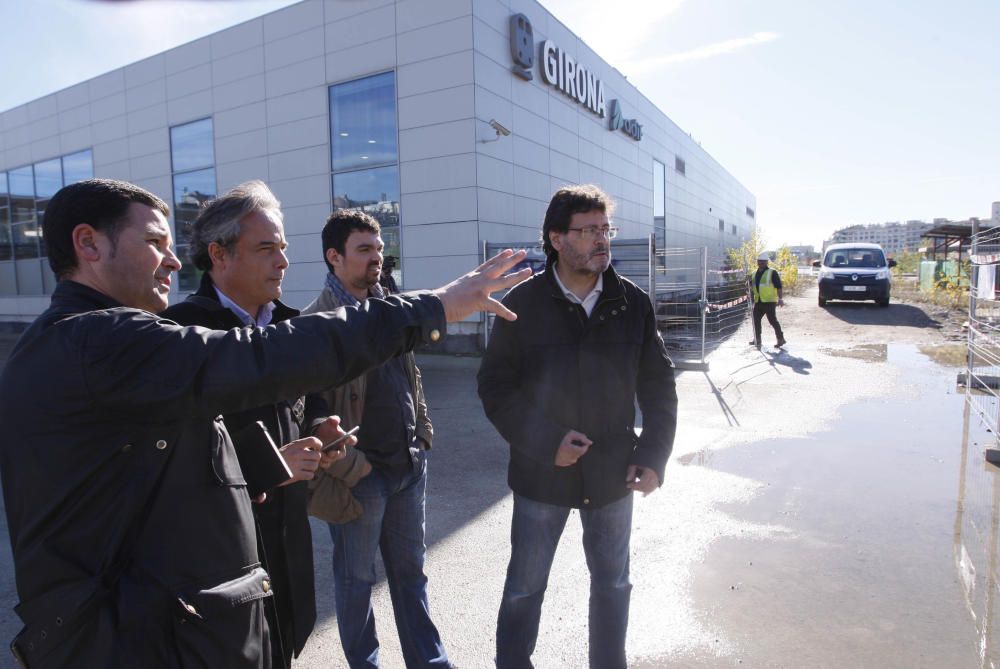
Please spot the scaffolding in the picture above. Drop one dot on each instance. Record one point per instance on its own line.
(982, 377)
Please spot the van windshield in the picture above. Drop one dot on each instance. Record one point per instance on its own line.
(854, 258)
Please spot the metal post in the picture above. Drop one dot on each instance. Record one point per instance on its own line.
(484, 316)
(703, 303)
(973, 287)
(652, 270)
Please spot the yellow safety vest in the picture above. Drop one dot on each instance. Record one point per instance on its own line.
(768, 293)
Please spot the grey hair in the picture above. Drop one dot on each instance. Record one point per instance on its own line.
(219, 220)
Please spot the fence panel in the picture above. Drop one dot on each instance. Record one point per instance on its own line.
(697, 308)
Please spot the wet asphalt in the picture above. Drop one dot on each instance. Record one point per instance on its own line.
(826, 506)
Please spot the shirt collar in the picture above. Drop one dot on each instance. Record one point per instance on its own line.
(571, 296)
(263, 315)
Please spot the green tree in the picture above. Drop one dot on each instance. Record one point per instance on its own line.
(787, 266)
(744, 257)
(907, 262)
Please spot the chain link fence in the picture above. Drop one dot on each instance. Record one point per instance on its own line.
(697, 308)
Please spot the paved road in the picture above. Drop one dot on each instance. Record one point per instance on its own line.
(807, 519)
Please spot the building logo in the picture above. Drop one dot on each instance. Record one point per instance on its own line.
(522, 46)
(559, 69)
(629, 126)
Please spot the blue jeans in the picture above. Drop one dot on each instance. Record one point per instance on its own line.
(393, 521)
(534, 536)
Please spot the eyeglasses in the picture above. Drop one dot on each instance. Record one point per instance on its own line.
(593, 231)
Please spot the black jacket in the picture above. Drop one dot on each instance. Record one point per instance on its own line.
(130, 524)
(284, 536)
(553, 370)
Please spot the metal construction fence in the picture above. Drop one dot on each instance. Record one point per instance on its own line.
(983, 365)
(697, 308)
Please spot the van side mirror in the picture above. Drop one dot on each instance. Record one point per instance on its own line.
(816, 263)
(892, 263)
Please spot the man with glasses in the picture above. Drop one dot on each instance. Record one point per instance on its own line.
(560, 385)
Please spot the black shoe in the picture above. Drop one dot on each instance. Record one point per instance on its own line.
(753, 342)
(781, 342)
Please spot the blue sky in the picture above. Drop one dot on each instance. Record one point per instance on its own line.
(831, 113)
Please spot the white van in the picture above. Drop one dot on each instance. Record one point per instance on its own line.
(857, 271)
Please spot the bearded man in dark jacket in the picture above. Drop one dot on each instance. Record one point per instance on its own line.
(560, 385)
(127, 509)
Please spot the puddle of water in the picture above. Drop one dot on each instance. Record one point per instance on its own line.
(866, 352)
(875, 571)
(948, 355)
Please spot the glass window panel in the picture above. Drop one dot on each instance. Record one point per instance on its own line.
(659, 189)
(22, 209)
(48, 278)
(363, 122)
(191, 190)
(375, 192)
(3, 188)
(39, 216)
(192, 145)
(48, 178)
(22, 182)
(25, 239)
(78, 166)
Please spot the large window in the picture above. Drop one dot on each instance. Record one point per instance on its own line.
(660, 207)
(192, 158)
(364, 155)
(24, 194)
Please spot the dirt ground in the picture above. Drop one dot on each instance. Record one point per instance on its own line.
(904, 321)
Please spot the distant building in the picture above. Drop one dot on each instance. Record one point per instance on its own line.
(894, 237)
(805, 254)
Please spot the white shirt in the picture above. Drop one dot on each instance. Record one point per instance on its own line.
(590, 301)
(263, 316)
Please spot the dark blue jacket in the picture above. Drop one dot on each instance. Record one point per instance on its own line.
(554, 369)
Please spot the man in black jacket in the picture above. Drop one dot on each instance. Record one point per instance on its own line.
(127, 510)
(238, 240)
(560, 384)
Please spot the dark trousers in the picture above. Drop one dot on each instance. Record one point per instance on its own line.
(769, 309)
(534, 533)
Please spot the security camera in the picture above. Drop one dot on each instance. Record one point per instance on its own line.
(501, 130)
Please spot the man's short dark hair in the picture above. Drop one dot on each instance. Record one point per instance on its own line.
(101, 203)
(570, 200)
(340, 225)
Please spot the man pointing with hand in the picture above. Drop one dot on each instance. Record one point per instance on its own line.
(128, 513)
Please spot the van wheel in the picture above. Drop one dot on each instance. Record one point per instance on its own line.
(822, 302)
(884, 302)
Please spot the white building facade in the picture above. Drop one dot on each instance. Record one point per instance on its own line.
(894, 238)
(451, 121)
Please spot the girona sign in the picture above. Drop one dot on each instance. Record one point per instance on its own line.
(563, 72)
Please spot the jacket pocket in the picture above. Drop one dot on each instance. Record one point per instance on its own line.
(225, 464)
(214, 626)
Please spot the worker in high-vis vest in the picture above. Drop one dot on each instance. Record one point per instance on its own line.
(765, 285)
